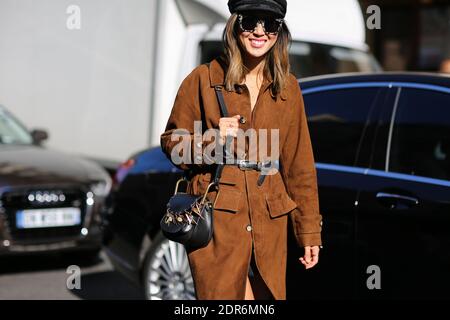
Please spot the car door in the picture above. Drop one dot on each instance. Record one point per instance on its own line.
(341, 125)
(403, 218)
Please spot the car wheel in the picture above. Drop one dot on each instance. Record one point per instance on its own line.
(166, 273)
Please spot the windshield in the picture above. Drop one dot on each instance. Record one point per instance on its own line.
(11, 131)
(312, 59)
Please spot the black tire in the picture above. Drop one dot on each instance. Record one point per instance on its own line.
(166, 273)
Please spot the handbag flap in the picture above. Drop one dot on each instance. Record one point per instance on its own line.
(181, 202)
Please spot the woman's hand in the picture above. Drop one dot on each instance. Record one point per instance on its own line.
(228, 126)
(311, 257)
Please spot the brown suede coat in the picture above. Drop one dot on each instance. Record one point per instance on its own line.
(220, 269)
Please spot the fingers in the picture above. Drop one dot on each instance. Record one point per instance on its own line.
(311, 257)
(229, 126)
(307, 255)
(229, 121)
(314, 255)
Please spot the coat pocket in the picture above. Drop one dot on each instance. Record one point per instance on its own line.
(227, 200)
(229, 175)
(279, 204)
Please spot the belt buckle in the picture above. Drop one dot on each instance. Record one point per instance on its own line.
(243, 165)
(264, 164)
(267, 166)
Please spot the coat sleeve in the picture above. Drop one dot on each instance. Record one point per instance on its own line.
(299, 173)
(186, 109)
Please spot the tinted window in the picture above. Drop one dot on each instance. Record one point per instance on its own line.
(338, 120)
(310, 59)
(421, 136)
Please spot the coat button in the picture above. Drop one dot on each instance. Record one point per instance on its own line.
(249, 228)
(199, 144)
(242, 119)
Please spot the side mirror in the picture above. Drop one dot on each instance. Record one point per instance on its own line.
(39, 136)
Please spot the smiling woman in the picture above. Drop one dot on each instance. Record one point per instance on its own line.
(259, 32)
(246, 257)
(250, 38)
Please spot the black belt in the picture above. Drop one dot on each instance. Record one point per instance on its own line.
(251, 165)
(263, 166)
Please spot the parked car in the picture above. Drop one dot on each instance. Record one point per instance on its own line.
(382, 149)
(49, 201)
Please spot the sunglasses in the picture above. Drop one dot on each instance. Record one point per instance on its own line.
(248, 23)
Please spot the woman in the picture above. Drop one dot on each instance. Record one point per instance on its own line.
(246, 259)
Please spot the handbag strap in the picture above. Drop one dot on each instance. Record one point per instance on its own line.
(224, 112)
(223, 106)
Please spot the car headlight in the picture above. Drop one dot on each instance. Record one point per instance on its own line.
(101, 188)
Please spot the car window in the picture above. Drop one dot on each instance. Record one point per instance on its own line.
(421, 134)
(11, 131)
(310, 59)
(337, 121)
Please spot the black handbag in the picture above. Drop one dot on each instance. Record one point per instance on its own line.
(189, 218)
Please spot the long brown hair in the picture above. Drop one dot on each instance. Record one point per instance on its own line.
(276, 59)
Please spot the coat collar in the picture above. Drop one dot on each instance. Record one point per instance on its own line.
(217, 77)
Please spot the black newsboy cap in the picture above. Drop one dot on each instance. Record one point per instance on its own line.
(277, 7)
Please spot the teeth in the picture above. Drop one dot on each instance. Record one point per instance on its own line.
(258, 42)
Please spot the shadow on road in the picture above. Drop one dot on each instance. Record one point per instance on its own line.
(109, 285)
(45, 262)
(98, 279)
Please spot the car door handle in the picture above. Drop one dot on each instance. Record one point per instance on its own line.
(396, 201)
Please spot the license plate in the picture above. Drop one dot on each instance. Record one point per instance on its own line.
(47, 218)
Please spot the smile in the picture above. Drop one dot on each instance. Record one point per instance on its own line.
(257, 43)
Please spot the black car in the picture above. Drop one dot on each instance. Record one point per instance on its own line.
(382, 149)
(49, 201)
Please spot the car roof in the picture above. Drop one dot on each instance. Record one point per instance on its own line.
(438, 79)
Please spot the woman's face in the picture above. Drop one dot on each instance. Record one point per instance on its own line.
(257, 43)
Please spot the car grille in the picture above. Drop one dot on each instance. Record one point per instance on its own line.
(15, 200)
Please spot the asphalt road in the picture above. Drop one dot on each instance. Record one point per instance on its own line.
(44, 277)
